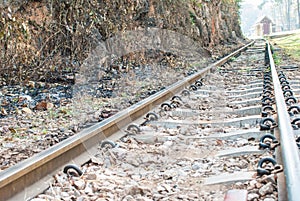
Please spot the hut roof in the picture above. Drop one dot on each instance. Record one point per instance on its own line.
(264, 19)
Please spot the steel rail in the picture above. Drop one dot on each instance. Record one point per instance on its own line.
(17, 180)
(289, 149)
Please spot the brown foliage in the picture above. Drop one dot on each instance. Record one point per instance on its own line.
(45, 40)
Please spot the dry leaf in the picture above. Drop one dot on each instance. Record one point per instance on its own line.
(26, 110)
(41, 105)
(49, 106)
(12, 130)
(3, 112)
(219, 142)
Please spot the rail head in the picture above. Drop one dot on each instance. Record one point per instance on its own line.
(21, 176)
(289, 149)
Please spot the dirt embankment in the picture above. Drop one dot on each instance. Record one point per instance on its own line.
(49, 40)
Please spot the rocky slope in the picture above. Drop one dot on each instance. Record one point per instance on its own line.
(49, 40)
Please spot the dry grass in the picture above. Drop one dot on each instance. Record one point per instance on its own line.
(291, 45)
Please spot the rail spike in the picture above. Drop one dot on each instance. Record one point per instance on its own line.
(72, 170)
(294, 109)
(108, 144)
(133, 128)
(268, 145)
(264, 171)
(267, 123)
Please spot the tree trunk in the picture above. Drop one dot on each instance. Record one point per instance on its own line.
(288, 15)
(298, 9)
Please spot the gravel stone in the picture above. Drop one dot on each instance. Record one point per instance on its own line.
(242, 142)
(269, 199)
(80, 184)
(196, 166)
(65, 194)
(266, 189)
(38, 199)
(252, 196)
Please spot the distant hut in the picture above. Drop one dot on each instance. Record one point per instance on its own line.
(263, 26)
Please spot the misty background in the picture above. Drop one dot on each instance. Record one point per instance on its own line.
(284, 14)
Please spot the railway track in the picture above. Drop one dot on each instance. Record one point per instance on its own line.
(221, 133)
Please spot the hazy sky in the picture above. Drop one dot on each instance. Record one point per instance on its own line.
(255, 2)
(250, 13)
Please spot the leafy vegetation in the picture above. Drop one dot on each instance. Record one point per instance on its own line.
(47, 40)
(277, 59)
